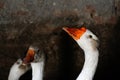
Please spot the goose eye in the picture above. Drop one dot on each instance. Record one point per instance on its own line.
(90, 36)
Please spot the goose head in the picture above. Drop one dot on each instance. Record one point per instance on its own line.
(84, 37)
(17, 70)
(22, 65)
(32, 51)
(37, 65)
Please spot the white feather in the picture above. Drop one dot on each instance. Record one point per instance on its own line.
(16, 71)
(89, 46)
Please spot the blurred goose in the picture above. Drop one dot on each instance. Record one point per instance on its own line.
(17, 70)
(34, 58)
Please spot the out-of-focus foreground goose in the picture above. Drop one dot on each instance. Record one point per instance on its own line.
(89, 43)
(17, 70)
(35, 58)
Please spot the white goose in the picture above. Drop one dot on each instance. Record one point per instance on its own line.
(33, 57)
(88, 42)
(17, 70)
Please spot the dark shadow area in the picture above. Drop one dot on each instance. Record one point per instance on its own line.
(108, 69)
(114, 66)
(67, 58)
(26, 76)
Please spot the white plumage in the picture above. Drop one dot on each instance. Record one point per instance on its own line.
(89, 43)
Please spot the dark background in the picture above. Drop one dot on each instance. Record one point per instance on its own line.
(40, 22)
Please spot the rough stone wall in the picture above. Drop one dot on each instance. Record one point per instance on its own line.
(26, 22)
(97, 11)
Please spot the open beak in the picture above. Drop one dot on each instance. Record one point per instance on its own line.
(29, 56)
(75, 33)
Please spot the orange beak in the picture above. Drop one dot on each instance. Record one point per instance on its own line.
(75, 33)
(29, 56)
